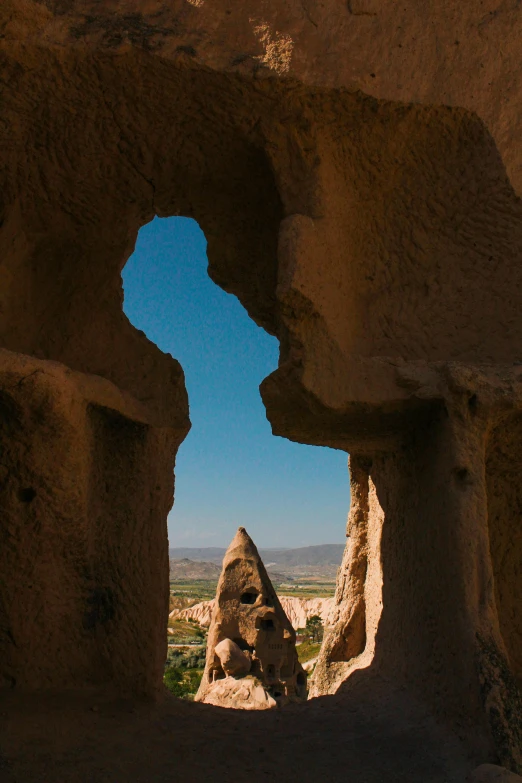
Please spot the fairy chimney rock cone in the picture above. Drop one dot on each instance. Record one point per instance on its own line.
(251, 661)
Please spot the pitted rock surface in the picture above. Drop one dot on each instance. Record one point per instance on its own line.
(250, 637)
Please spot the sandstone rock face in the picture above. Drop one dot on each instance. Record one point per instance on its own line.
(249, 635)
(77, 452)
(443, 53)
(298, 610)
(354, 166)
(201, 613)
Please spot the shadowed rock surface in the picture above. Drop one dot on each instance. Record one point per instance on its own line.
(355, 169)
(489, 773)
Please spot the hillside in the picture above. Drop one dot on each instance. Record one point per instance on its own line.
(320, 555)
(324, 554)
(186, 570)
(190, 569)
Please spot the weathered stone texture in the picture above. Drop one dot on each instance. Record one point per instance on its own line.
(354, 166)
(250, 637)
(83, 485)
(439, 52)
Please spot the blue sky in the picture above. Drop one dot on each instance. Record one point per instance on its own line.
(230, 470)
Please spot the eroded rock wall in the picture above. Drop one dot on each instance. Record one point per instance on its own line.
(438, 611)
(435, 53)
(376, 233)
(86, 484)
(504, 508)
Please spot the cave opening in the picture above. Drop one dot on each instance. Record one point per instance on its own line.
(230, 470)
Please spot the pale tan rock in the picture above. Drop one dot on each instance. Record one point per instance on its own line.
(308, 666)
(250, 633)
(245, 694)
(234, 661)
(298, 610)
(201, 613)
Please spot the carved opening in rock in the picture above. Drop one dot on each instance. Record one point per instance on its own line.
(473, 403)
(218, 171)
(243, 645)
(301, 684)
(26, 494)
(462, 475)
(141, 298)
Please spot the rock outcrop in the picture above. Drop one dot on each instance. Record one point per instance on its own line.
(251, 660)
(201, 613)
(243, 694)
(298, 610)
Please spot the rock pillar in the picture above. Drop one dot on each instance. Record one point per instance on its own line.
(423, 599)
(252, 660)
(85, 486)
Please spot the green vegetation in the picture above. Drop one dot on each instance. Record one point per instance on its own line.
(194, 589)
(312, 637)
(314, 628)
(183, 671)
(187, 592)
(307, 589)
(308, 650)
(186, 658)
(183, 683)
(185, 632)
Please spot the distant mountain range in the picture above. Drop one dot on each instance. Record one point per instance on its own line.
(323, 554)
(207, 571)
(190, 569)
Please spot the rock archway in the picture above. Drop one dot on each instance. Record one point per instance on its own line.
(380, 241)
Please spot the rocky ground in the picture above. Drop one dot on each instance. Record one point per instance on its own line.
(84, 739)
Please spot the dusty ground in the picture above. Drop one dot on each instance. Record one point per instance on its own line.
(55, 739)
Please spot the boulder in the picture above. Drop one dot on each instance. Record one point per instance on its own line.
(245, 694)
(234, 661)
